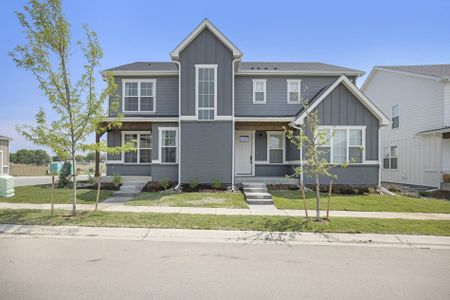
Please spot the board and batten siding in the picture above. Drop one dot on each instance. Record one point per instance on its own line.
(206, 151)
(166, 96)
(421, 108)
(446, 110)
(342, 108)
(206, 48)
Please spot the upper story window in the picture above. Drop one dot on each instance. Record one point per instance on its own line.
(259, 91)
(390, 159)
(395, 116)
(142, 141)
(338, 144)
(206, 91)
(294, 91)
(139, 95)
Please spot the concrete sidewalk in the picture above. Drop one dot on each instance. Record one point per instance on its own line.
(225, 236)
(251, 211)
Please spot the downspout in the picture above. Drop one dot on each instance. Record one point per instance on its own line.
(179, 123)
(233, 125)
(301, 155)
(379, 158)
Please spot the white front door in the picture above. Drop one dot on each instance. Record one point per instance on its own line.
(244, 152)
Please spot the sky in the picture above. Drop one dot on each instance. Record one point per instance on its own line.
(354, 34)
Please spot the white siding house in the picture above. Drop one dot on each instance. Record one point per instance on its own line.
(416, 147)
(4, 155)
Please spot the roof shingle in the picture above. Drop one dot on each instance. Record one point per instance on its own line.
(442, 70)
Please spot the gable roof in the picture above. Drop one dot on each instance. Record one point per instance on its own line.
(433, 72)
(295, 68)
(175, 54)
(2, 137)
(442, 71)
(321, 95)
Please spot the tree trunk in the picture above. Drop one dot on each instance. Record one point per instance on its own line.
(329, 198)
(302, 187)
(98, 192)
(53, 193)
(74, 187)
(317, 198)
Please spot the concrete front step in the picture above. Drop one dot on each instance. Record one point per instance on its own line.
(259, 201)
(253, 185)
(140, 184)
(445, 186)
(258, 195)
(255, 190)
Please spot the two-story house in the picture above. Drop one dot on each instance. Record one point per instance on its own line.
(208, 115)
(416, 147)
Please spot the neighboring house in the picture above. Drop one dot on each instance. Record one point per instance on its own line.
(416, 147)
(207, 114)
(4, 155)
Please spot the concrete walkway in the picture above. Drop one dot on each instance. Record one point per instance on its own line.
(253, 210)
(228, 236)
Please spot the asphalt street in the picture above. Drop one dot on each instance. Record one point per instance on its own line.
(61, 268)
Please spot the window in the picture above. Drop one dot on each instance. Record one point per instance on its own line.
(395, 116)
(143, 144)
(259, 91)
(390, 160)
(206, 91)
(168, 145)
(275, 144)
(338, 145)
(139, 96)
(294, 91)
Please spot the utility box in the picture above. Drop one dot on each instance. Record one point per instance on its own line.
(6, 186)
(55, 168)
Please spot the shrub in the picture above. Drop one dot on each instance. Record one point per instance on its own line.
(117, 180)
(64, 177)
(164, 183)
(193, 183)
(216, 183)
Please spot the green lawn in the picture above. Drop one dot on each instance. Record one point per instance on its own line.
(42, 194)
(285, 199)
(264, 223)
(200, 199)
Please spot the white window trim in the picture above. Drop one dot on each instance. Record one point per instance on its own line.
(160, 130)
(299, 82)
(138, 81)
(138, 148)
(196, 89)
(1, 162)
(348, 128)
(264, 82)
(269, 133)
(390, 157)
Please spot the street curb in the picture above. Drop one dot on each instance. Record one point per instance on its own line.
(227, 236)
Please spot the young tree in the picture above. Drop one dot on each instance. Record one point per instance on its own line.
(312, 140)
(78, 106)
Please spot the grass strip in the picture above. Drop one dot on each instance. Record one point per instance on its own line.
(260, 223)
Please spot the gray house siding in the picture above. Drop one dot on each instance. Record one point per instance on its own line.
(276, 99)
(353, 175)
(166, 96)
(114, 138)
(206, 151)
(164, 172)
(206, 48)
(341, 107)
(128, 170)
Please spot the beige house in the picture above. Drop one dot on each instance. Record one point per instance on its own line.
(4, 155)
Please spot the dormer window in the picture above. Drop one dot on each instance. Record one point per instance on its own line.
(259, 91)
(206, 91)
(294, 91)
(139, 95)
